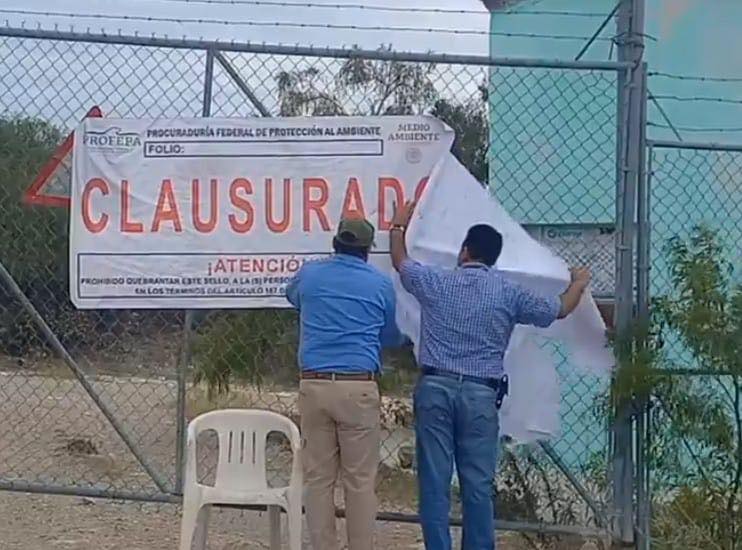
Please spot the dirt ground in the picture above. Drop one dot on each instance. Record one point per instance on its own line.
(44, 522)
(52, 434)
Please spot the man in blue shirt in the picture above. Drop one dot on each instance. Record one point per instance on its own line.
(467, 317)
(346, 311)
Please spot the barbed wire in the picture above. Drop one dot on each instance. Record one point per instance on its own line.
(697, 129)
(697, 78)
(378, 8)
(290, 24)
(664, 115)
(697, 98)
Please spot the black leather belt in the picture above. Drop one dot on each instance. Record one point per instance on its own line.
(337, 376)
(500, 385)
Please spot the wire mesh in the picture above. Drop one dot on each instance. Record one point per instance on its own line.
(551, 160)
(694, 454)
(130, 357)
(553, 166)
(690, 188)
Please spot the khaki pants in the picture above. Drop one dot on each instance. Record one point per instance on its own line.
(340, 433)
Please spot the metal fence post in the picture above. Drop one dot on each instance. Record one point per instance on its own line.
(631, 142)
(643, 496)
(186, 350)
(208, 82)
(184, 360)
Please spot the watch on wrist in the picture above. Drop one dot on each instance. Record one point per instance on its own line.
(399, 227)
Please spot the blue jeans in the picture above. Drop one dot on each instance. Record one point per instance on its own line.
(456, 421)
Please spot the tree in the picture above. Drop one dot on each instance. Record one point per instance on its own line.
(32, 240)
(33, 246)
(704, 313)
(365, 87)
(300, 94)
(361, 87)
(696, 453)
(469, 121)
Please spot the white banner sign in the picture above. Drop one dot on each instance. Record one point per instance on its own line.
(220, 213)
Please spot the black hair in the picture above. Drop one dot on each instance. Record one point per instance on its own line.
(484, 243)
(357, 251)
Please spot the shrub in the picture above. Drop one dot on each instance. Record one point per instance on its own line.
(255, 347)
(33, 246)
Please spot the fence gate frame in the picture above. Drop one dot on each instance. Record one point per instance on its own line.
(630, 100)
(642, 412)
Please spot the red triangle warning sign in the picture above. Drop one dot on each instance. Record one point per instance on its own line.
(52, 186)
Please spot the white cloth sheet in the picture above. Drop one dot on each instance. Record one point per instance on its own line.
(452, 202)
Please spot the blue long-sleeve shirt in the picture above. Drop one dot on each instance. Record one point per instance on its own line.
(346, 313)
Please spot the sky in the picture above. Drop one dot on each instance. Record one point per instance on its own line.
(235, 12)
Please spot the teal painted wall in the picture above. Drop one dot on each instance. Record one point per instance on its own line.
(552, 155)
(553, 137)
(552, 131)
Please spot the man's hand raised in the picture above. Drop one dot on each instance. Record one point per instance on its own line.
(400, 221)
(403, 213)
(580, 276)
(580, 279)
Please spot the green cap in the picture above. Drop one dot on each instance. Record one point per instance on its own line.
(356, 232)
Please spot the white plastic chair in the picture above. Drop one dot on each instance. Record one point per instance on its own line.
(241, 473)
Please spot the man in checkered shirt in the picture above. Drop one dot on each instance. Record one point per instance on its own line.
(467, 317)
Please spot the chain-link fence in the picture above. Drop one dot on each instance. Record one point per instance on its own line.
(694, 441)
(95, 402)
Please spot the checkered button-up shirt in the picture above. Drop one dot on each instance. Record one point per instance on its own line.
(468, 315)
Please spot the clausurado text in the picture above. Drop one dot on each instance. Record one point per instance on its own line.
(240, 204)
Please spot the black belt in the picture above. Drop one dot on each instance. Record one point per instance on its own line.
(337, 376)
(500, 385)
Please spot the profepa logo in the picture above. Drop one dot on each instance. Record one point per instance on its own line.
(112, 139)
(564, 233)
